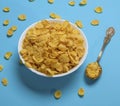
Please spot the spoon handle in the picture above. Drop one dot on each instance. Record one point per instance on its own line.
(109, 33)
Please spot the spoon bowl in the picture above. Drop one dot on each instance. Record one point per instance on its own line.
(93, 70)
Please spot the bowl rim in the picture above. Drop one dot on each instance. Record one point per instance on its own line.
(58, 75)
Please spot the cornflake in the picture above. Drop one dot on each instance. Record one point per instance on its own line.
(98, 9)
(6, 22)
(51, 1)
(95, 22)
(57, 94)
(7, 55)
(71, 3)
(4, 81)
(6, 9)
(81, 92)
(10, 32)
(83, 2)
(79, 24)
(13, 28)
(54, 16)
(52, 47)
(1, 67)
(22, 17)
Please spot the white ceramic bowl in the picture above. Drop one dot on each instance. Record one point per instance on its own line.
(59, 75)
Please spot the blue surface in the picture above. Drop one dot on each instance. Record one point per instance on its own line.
(28, 89)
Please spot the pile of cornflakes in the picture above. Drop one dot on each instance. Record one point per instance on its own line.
(52, 47)
(93, 70)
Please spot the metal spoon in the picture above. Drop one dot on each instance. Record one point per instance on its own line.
(94, 70)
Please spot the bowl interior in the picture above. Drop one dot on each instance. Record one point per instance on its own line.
(59, 75)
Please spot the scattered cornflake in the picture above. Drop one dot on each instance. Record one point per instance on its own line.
(7, 55)
(6, 9)
(81, 92)
(98, 9)
(83, 2)
(10, 32)
(51, 1)
(4, 81)
(13, 28)
(1, 67)
(71, 3)
(22, 17)
(5, 22)
(79, 24)
(95, 22)
(57, 94)
(54, 16)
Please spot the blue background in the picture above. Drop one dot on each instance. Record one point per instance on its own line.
(28, 89)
